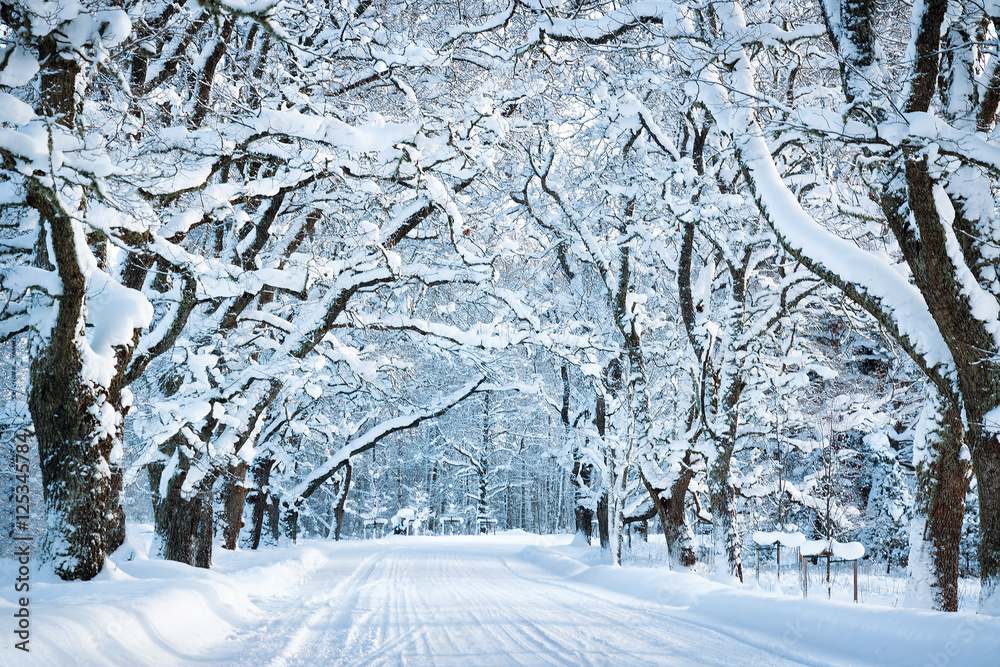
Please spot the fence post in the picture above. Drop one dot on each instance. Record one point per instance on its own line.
(855, 580)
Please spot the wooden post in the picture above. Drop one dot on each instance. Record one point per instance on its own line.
(855, 580)
(779, 564)
(758, 564)
(805, 577)
(829, 586)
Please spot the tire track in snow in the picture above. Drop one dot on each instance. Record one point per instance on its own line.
(461, 602)
(335, 605)
(671, 615)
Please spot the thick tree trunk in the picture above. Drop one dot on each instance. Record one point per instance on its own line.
(338, 510)
(274, 518)
(206, 526)
(582, 473)
(583, 511)
(258, 497)
(725, 532)
(988, 487)
(290, 521)
(603, 528)
(176, 518)
(81, 481)
(942, 478)
(603, 525)
(673, 519)
(83, 506)
(234, 493)
(984, 441)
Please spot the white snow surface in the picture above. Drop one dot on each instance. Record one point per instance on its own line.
(845, 550)
(509, 599)
(763, 537)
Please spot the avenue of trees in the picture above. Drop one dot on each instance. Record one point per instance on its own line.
(270, 269)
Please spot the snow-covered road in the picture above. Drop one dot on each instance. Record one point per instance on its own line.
(491, 601)
(417, 601)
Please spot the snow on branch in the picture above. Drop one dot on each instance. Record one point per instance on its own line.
(373, 436)
(868, 279)
(499, 20)
(603, 29)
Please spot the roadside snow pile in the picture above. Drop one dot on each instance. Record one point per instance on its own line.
(830, 632)
(142, 611)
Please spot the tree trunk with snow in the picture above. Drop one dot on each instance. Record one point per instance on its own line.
(603, 529)
(206, 525)
(234, 493)
(725, 533)
(942, 480)
(78, 422)
(177, 516)
(940, 213)
(290, 521)
(673, 518)
(338, 509)
(583, 512)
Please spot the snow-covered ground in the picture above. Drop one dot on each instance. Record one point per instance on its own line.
(875, 585)
(509, 599)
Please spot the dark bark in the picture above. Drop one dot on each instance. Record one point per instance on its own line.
(206, 526)
(583, 512)
(338, 510)
(926, 63)
(290, 522)
(582, 474)
(258, 497)
(600, 421)
(673, 518)
(176, 517)
(274, 517)
(602, 521)
(234, 493)
(81, 481)
(206, 78)
(942, 480)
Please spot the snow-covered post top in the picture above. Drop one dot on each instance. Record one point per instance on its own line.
(765, 538)
(831, 547)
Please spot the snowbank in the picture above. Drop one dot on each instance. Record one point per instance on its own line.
(809, 631)
(142, 611)
(136, 612)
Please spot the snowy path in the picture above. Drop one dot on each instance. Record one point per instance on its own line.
(472, 603)
(511, 599)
